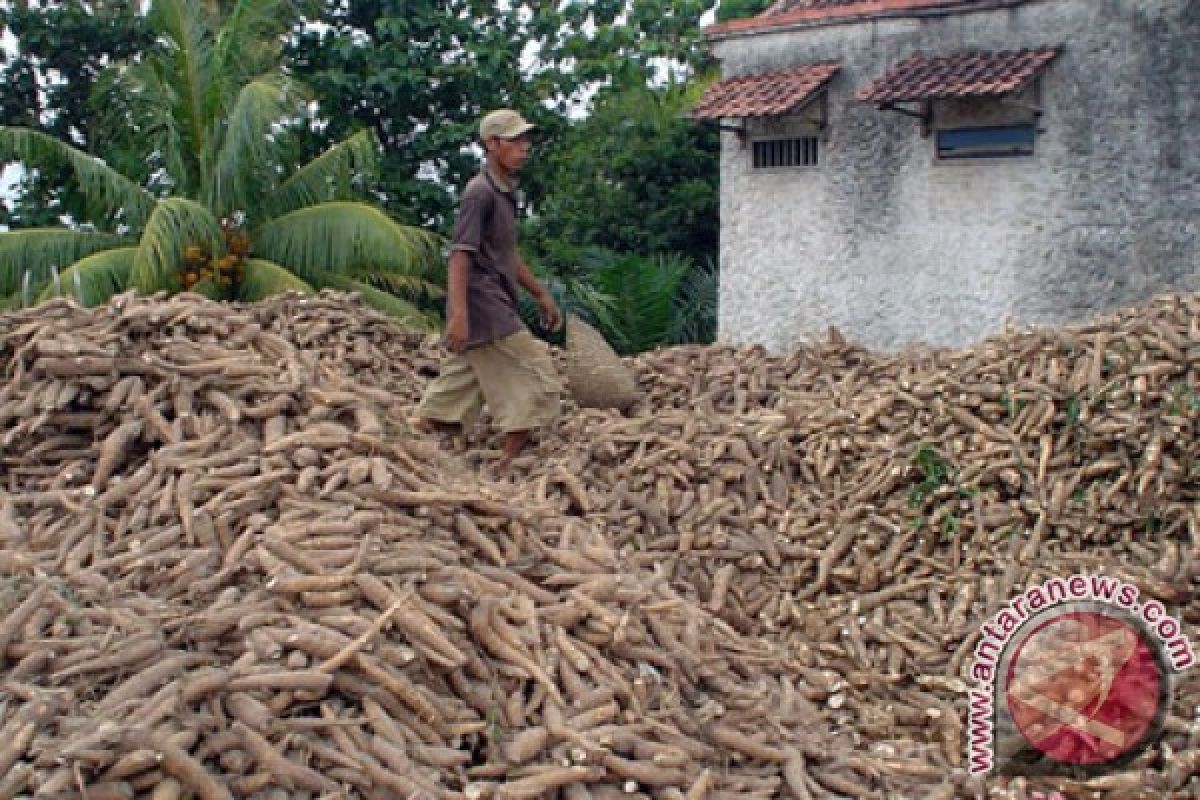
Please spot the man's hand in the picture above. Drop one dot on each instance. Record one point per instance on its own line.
(551, 316)
(456, 333)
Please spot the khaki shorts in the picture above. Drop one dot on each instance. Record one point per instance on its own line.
(515, 376)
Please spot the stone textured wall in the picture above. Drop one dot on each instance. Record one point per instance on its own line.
(894, 247)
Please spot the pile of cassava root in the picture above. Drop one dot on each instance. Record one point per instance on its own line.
(227, 568)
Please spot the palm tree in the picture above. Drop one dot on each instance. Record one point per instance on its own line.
(217, 208)
(637, 302)
(657, 300)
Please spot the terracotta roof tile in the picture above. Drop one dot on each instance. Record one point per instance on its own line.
(784, 6)
(764, 95)
(964, 75)
(789, 12)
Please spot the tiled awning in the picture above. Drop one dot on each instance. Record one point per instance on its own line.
(966, 75)
(785, 13)
(766, 95)
(833, 7)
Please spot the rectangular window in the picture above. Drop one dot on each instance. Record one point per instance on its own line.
(1002, 141)
(801, 152)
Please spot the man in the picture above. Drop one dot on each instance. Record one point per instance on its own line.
(493, 356)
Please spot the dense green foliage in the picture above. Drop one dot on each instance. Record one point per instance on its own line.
(619, 172)
(421, 72)
(626, 232)
(737, 9)
(217, 208)
(47, 84)
(637, 302)
(635, 177)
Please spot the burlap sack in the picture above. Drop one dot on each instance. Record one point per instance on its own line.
(595, 374)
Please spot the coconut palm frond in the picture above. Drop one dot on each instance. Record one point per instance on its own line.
(318, 180)
(339, 236)
(94, 279)
(250, 35)
(246, 147)
(644, 290)
(140, 101)
(176, 224)
(36, 250)
(574, 294)
(591, 303)
(696, 306)
(112, 194)
(411, 286)
(127, 121)
(399, 309)
(186, 67)
(262, 279)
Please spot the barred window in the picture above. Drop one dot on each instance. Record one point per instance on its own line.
(774, 153)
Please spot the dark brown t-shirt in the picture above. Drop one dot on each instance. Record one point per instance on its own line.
(486, 228)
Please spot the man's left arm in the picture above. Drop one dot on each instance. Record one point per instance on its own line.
(551, 316)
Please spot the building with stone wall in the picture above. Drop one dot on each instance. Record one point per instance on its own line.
(924, 170)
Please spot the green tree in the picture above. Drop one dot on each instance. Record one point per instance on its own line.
(221, 211)
(738, 9)
(626, 235)
(421, 72)
(418, 73)
(634, 177)
(61, 48)
(632, 43)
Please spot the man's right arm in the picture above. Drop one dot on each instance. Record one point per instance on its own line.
(458, 322)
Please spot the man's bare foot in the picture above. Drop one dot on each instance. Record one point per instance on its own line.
(514, 443)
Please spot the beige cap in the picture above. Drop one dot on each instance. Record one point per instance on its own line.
(504, 124)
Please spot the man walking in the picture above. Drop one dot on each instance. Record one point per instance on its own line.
(494, 359)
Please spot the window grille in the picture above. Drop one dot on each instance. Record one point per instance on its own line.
(775, 153)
